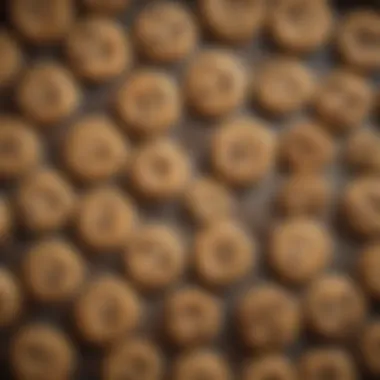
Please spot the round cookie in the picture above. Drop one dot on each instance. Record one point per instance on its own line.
(105, 219)
(45, 201)
(107, 7)
(368, 269)
(98, 49)
(283, 85)
(343, 101)
(6, 220)
(94, 150)
(268, 318)
(358, 40)
(11, 298)
(20, 148)
(155, 257)
(301, 27)
(369, 346)
(215, 83)
(242, 151)
(136, 359)
(327, 363)
(40, 351)
(334, 307)
(199, 364)
(223, 254)
(161, 170)
(230, 21)
(42, 22)
(299, 250)
(53, 270)
(306, 147)
(106, 310)
(48, 93)
(165, 32)
(149, 103)
(193, 317)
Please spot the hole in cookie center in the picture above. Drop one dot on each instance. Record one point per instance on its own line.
(225, 252)
(368, 39)
(9, 147)
(150, 101)
(327, 372)
(140, 366)
(55, 275)
(161, 167)
(109, 312)
(374, 202)
(40, 356)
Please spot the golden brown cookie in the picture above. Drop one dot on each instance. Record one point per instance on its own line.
(45, 201)
(165, 32)
(20, 148)
(193, 317)
(224, 253)
(105, 219)
(135, 359)
(40, 351)
(199, 364)
(155, 257)
(358, 39)
(334, 307)
(327, 363)
(149, 103)
(42, 22)
(94, 150)
(300, 26)
(299, 250)
(215, 83)
(98, 49)
(268, 317)
(161, 170)
(242, 151)
(306, 148)
(53, 270)
(232, 21)
(6, 220)
(283, 85)
(48, 93)
(369, 346)
(107, 7)
(11, 298)
(107, 310)
(343, 100)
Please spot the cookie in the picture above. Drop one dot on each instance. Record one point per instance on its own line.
(165, 32)
(268, 318)
(149, 103)
(242, 151)
(136, 359)
(368, 269)
(48, 93)
(208, 201)
(306, 148)
(360, 206)
(269, 366)
(327, 363)
(11, 298)
(161, 170)
(20, 148)
(53, 270)
(94, 150)
(201, 363)
(343, 101)
(45, 201)
(193, 317)
(105, 219)
(98, 49)
(12, 62)
(358, 40)
(306, 195)
(107, 7)
(40, 22)
(155, 257)
(41, 351)
(223, 254)
(106, 310)
(283, 85)
(215, 83)
(301, 27)
(230, 21)
(299, 250)
(6, 220)
(369, 346)
(334, 307)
